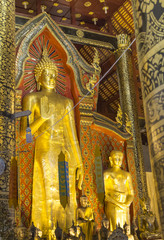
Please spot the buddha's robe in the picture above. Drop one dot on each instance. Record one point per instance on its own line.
(54, 136)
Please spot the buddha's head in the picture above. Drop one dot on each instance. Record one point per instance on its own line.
(116, 158)
(83, 201)
(46, 72)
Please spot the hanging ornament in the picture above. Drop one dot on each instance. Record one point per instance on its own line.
(105, 8)
(25, 4)
(28, 132)
(95, 20)
(63, 171)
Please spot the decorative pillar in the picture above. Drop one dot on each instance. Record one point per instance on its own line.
(129, 109)
(7, 93)
(88, 143)
(149, 29)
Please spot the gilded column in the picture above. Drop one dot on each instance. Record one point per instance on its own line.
(7, 92)
(129, 108)
(149, 29)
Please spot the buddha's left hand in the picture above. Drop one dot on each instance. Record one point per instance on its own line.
(79, 177)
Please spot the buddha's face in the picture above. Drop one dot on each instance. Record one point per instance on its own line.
(116, 159)
(83, 201)
(48, 78)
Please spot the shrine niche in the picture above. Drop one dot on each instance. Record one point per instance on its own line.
(72, 69)
(97, 135)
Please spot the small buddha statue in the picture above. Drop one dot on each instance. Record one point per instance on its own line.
(72, 233)
(147, 223)
(58, 232)
(33, 231)
(52, 118)
(104, 231)
(39, 234)
(118, 191)
(21, 232)
(118, 234)
(85, 218)
(79, 233)
(128, 232)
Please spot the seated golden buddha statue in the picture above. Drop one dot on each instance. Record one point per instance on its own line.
(147, 223)
(55, 134)
(118, 192)
(85, 218)
(127, 232)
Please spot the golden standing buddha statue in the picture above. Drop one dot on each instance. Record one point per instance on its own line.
(55, 135)
(85, 218)
(118, 192)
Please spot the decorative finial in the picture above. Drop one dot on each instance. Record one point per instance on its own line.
(25, 4)
(123, 40)
(43, 8)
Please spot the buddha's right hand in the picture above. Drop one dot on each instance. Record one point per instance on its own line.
(46, 108)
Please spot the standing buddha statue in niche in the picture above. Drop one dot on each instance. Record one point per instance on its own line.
(118, 192)
(55, 135)
(85, 218)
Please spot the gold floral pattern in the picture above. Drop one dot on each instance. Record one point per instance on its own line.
(153, 69)
(7, 85)
(139, 19)
(162, 3)
(147, 5)
(149, 41)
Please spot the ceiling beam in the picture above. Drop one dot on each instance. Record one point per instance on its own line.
(128, 13)
(117, 22)
(84, 50)
(100, 89)
(124, 19)
(114, 97)
(113, 78)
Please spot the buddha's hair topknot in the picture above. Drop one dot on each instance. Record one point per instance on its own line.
(45, 62)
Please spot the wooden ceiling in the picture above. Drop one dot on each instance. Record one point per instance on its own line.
(76, 12)
(118, 19)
